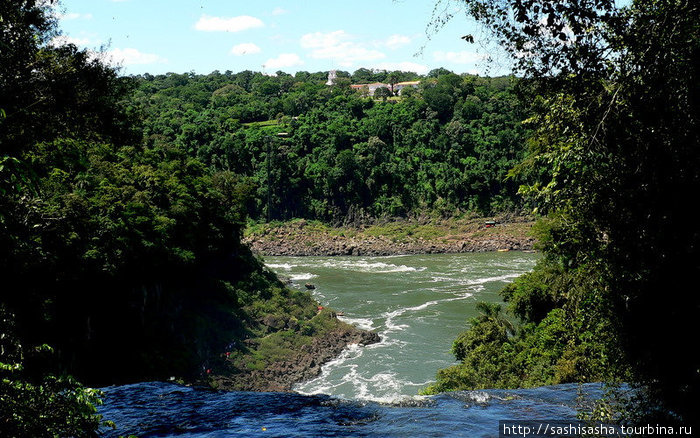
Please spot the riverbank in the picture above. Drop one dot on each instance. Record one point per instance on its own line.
(286, 352)
(418, 304)
(300, 237)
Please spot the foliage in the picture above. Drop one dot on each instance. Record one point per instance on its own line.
(563, 345)
(613, 163)
(118, 252)
(383, 93)
(446, 148)
(40, 404)
(292, 335)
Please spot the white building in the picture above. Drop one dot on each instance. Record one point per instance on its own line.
(371, 88)
(401, 85)
(332, 76)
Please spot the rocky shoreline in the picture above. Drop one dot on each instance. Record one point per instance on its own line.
(306, 238)
(300, 238)
(290, 364)
(301, 366)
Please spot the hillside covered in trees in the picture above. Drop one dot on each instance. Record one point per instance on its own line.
(123, 200)
(121, 260)
(614, 163)
(331, 153)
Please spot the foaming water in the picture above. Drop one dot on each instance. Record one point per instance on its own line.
(284, 266)
(417, 303)
(363, 323)
(304, 276)
(363, 265)
(166, 410)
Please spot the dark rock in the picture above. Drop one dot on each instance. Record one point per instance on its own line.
(303, 365)
(297, 239)
(274, 321)
(293, 324)
(250, 343)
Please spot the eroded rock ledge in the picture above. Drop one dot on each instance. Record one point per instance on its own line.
(297, 366)
(302, 238)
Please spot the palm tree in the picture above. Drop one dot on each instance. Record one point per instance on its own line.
(492, 311)
(392, 78)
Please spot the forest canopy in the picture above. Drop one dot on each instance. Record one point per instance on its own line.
(336, 154)
(123, 199)
(613, 164)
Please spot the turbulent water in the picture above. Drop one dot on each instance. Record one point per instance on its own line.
(167, 410)
(418, 304)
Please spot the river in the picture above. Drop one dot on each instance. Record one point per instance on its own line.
(418, 304)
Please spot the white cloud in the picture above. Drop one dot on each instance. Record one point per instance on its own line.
(283, 60)
(63, 40)
(396, 41)
(223, 24)
(131, 56)
(74, 16)
(463, 57)
(279, 11)
(338, 45)
(402, 66)
(318, 40)
(245, 49)
(280, 39)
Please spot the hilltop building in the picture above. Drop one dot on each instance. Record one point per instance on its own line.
(332, 76)
(401, 85)
(371, 88)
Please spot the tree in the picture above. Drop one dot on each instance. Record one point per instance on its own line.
(392, 78)
(43, 404)
(36, 398)
(614, 161)
(383, 93)
(86, 209)
(437, 72)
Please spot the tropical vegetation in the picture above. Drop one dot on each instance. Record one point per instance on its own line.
(612, 166)
(123, 201)
(331, 153)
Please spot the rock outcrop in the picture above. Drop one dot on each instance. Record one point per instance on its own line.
(298, 239)
(303, 365)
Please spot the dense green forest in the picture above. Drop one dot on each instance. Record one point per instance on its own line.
(121, 260)
(328, 153)
(123, 199)
(614, 167)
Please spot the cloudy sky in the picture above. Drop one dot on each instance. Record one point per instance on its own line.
(159, 36)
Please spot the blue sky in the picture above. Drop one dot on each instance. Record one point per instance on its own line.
(159, 36)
